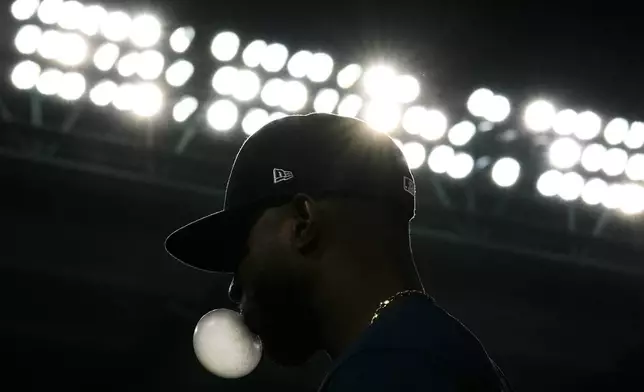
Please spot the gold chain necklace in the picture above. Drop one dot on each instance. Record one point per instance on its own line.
(389, 300)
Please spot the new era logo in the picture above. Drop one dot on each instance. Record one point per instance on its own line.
(280, 175)
(409, 186)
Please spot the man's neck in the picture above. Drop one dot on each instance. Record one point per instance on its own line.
(349, 306)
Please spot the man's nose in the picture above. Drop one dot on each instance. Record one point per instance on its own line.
(234, 291)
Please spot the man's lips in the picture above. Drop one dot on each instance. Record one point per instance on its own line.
(250, 316)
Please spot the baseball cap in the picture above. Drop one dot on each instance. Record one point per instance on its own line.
(317, 154)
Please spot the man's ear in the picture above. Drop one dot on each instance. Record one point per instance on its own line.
(305, 228)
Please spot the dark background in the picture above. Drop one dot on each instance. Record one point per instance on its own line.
(89, 297)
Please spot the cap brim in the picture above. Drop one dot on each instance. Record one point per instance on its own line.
(214, 243)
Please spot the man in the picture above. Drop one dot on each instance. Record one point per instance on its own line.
(315, 228)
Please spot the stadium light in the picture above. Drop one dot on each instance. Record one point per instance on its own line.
(440, 158)
(505, 172)
(415, 154)
(492, 107)
(540, 116)
(223, 115)
(181, 39)
(461, 133)
(349, 75)
(184, 108)
(225, 45)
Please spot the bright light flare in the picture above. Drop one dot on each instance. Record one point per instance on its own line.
(350, 105)
(247, 85)
(440, 159)
(50, 11)
(71, 15)
(571, 186)
(222, 115)
(564, 153)
(73, 49)
(72, 86)
(49, 82)
(116, 26)
(92, 20)
(461, 133)
(224, 46)
(505, 172)
(479, 101)
(50, 46)
(414, 154)
(632, 199)
(460, 166)
(615, 131)
(184, 109)
(299, 63)
(145, 31)
(125, 97)
(67, 48)
(594, 191)
(382, 116)
(223, 81)
(349, 75)
(613, 196)
(25, 75)
(615, 161)
(150, 64)
(254, 53)
(294, 96)
(103, 93)
(593, 157)
(588, 125)
(179, 73)
(499, 109)
(148, 101)
(379, 82)
(635, 167)
(106, 56)
(635, 136)
(435, 125)
(565, 122)
(274, 57)
(24, 9)
(254, 120)
(539, 116)
(272, 92)
(549, 183)
(128, 65)
(407, 89)
(28, 39)
(181, 39)
(326, 100)
(320, 68)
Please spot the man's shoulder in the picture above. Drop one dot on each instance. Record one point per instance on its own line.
(410, 370)
(420, 325)
(421, 343)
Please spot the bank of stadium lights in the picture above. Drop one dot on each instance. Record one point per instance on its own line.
(281, 84)
(264, 73)
(591, 162)
(58, 33)
(269, 75)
